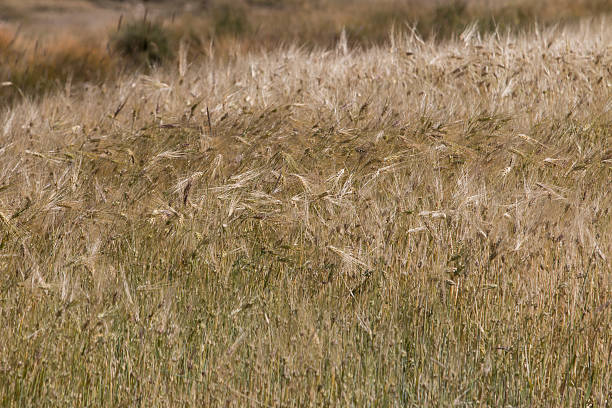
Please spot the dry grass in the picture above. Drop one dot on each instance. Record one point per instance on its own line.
(418, 224)
(31, 67)
(51, 45)
(265, 23)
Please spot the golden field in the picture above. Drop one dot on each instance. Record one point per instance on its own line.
(416, 221)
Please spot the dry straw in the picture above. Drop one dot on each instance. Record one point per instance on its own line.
(425, 224)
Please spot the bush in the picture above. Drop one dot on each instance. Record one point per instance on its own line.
(230, 20)
(143, 42)
(447, 19)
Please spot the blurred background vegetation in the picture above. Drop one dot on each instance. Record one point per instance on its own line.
(50, 45)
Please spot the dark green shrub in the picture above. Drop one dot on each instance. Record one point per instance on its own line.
(143, 42)
(267, 3)
(449, 19)
(230, 20)
(376, 26)
(510, 18)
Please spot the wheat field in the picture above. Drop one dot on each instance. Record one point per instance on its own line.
(413, 224)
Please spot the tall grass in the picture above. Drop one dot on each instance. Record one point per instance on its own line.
(30, 67)
(320, 23)
(33, 65)
(418, 224)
